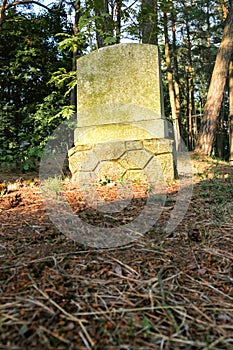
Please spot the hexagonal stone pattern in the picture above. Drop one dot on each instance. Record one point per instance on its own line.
(109, 170)
(121, 160)
(158, 146)
(135, 159)
(109, 150)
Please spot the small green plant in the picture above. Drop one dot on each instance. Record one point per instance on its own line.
(146, 324)
(131, 327)
(52, 186)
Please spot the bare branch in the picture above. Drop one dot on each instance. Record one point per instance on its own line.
(26, 2)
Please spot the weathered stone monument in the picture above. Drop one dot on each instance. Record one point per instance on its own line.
(121, 130)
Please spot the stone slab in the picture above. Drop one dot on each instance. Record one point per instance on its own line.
(116, 131)
(113, 112)
(115, 77)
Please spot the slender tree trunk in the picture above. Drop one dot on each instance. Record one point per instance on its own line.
(73, 93)
(191, 109)
(99, 10)
(171, 86)
(188, 111)
(108, 22)
(216, 89)
(149, 26)
(102, 23)
(191, 80)
(231, 112)
(118, 24)
(187, 94)
(175, 60)
(208, 39)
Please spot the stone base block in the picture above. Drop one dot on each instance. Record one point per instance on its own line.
(135, 160)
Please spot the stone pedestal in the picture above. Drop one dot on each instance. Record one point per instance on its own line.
(123, 160)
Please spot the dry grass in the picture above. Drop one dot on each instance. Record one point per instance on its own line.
(161, 292)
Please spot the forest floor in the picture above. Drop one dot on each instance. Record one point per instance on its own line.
(163, 291)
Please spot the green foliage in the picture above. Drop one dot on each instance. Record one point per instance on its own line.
(29, 103)
(70, 42)
(64, 79)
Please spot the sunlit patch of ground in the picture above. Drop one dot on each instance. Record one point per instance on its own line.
(164, 291)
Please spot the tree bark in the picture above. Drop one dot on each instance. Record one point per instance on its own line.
(101, 22)
(216, 89)
(149, 26)
(175, 60)
(118, 24)
(191, 107)
(175, 120)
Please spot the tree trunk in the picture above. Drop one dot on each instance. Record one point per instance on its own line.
(175, 121)
(175, 60)
(188, 111)
(231, 112)
(73, 93)
(99, 10)
(103, 27)
(118, 24)
(149, 26)
(216, 90)
(191, 107)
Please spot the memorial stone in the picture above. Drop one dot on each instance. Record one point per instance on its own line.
(121, 130)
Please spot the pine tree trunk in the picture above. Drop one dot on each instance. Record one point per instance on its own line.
(175, 120)
(216, 89)
(175, 60)
(149, 27)
(191, 106)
